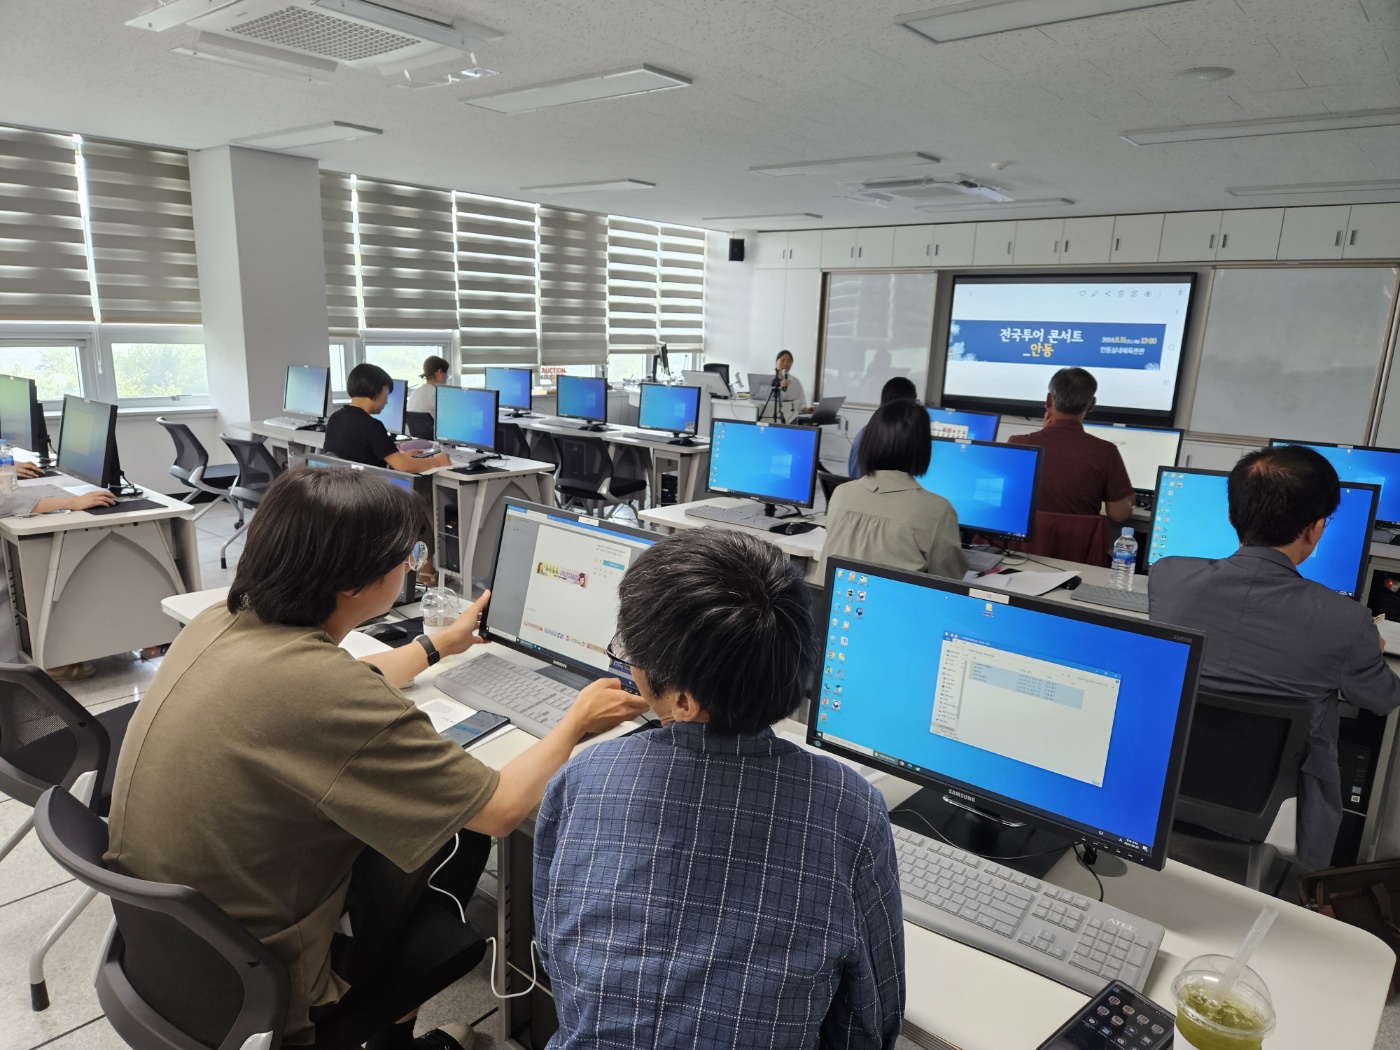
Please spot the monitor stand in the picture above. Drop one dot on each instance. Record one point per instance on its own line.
(684, 440)
(519, 413)
(319, 425)
(1034, 851)
(595, 428)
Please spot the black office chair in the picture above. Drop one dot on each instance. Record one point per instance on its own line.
(720, 370)
(587, 478)
(419, 425)
(191, 468)
(1241, 770)
(512, 441)
(543, 448)
(830, 482)
(47, 738)
(256, 471)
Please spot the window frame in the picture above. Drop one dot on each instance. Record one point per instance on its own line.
(106, 385)
(18, 334)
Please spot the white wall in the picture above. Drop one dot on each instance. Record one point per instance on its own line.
(728, 300)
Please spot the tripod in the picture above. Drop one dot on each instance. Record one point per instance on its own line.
(775, 397)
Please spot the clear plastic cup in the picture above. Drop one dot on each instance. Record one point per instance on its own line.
(1204, 1022)
(440, 608)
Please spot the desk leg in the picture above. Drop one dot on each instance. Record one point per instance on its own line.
(528, 1020)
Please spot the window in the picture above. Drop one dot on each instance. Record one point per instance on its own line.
(160, 370)
(54, 367)
(629, 368)
(403, 360)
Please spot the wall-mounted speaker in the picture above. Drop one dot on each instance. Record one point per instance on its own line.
(736, 249)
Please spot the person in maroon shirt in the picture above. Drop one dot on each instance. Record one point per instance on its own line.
(1079, 473)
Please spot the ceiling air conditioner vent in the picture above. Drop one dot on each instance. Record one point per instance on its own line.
(326, 36)
(937, 188)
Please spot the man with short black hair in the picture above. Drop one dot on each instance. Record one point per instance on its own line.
(1079, 473)
(708, 883)
(1271, 632)
(899, 388)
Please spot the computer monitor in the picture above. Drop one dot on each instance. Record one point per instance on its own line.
(764, 461)
(1191, 519)
(583, 397)
(393, 477)
(22, 417)
(719, 370)
(87, 442)
(1375, 466)
(392, 413)
(1009, 710)
(554, 587)
(709, 382)
(514, 386)
(308, 391)
(466, 417)
(1144, 449)
(971, 426)
(992, 487)
(673, 408)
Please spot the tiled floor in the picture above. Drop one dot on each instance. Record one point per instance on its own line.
(34, 892)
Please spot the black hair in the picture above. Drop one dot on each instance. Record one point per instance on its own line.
(899, 388)
(896, 438)
(782, 354)
(367, 380)
(1276, 493)
(433, 364)
(1072, 391)
(318, 532)
(725, 618)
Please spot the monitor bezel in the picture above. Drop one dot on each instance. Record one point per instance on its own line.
(1033, 409)
(510, 641)
(401, 385)
(1180, 436)
(325, 390)
(452, 391)
(691, 430)
(394, 477)
(966, 412)
(107, 480)
(814, 432)
(1380, 522)
(529, 386)
(1035, 489)
(559, 400)
(981, 798)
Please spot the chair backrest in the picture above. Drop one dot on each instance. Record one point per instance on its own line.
(178, 974)
(512, 441)
(830, 482)
(419, 425)
(256, 468)
(46, 737)
(1242, 759)
(582, 461)
(190, 454)
(543, 448)
(1073, 537)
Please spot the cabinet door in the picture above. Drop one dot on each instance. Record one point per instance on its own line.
(1038, 242)
(913, 246)
(1086, 241)
(1189, 235)
(804, 250)
(875, 247)
(954, 243)
(770, 251)
(1136, 238)
(1374, 232)
(802, 304)
(766, 314)
(839, 249)
(995, 244)
(1250, 234)
(1314, 233)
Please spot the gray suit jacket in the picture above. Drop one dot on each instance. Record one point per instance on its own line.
(1270, 632)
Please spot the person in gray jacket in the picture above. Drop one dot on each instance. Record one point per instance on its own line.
(1270, 632)
(886, 516)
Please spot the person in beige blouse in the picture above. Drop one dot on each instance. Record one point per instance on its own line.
(885, 516)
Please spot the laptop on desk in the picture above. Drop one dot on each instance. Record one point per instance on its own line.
(824, 414)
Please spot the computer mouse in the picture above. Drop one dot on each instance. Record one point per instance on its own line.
(384, 632)
(796, 528)
(1072, 583)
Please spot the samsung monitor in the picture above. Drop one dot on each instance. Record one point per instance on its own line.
(583, 397)
(554, 587)
(87, 442)
(391, 415)
(22, 417)
(308, 391)
(671, 408)
(1008, 710)
(763, 461)
(710, 382)
(1191, 519)
(393, 477)
(514, 385)
(1375, 466)
(971, 426)
(1144, 449)
(466, 417)
(1008, 335)
(992, 487)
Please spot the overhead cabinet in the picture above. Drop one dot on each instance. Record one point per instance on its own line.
(995, 244)
(792, 250)
(871, 246)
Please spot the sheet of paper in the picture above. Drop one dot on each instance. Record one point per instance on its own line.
(357, 645)
(1032, 583)
(444, 712)
(1390, 634)
(872, 775)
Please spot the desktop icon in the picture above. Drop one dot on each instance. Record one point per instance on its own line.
(845, 625)
(864, 580)
(859, 612)
(836, 704)
(860, 596)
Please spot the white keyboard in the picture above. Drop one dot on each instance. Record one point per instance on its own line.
(982, 561)
(290, 422)
(1071, 939)
(749, 516)
(1111, 598)
(491, 683)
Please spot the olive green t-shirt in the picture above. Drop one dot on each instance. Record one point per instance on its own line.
(259, 764)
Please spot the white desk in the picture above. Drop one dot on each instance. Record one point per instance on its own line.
(182, 608)
(477, 503)
(805, 547)
(285, 440)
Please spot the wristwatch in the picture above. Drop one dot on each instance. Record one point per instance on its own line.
(428, 647)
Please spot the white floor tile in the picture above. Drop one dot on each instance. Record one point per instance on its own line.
(68, 969)
(96, 1035)
(28, 869)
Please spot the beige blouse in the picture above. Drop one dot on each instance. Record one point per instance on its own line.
(888, 518)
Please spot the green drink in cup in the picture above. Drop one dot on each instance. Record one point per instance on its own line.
(1211, 1015)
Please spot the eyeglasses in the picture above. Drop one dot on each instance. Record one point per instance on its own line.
(617, 654)
(418, 556)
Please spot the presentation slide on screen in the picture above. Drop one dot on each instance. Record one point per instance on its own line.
(1008, 337)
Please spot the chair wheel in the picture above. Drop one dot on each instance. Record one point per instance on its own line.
(39, 996)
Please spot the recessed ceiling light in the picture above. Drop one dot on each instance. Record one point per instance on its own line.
(309, 135)
(639, 80)
(589, 187)
(776, 215)
(987, 17)
(175, 13)
(849, 165)
(479, 72)
(1241, 129)
(1207, 73)
(976, 205)
(460, 36)
(1375, 186)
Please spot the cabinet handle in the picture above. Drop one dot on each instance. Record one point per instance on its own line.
(1337, 243)
(1224, 239)
(1352, 239)
(935, 249)
(1212, 241)
(1116, 242)
(1066, 244)
(1008, 247)
(860, 252)
(1055, 250)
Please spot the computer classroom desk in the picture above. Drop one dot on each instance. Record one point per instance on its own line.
(468, 509)
(805, 548)
(285, 440)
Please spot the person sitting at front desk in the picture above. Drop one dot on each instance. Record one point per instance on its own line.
(355, 434)
(708, 883)
(1270, 632)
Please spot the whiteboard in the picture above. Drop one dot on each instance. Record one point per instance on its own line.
(878, 325)
(1293, 353)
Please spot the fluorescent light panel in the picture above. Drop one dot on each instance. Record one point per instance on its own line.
(988, 17)
(461, 36)
(1243, 129)
(639, 80)
(778, 215)
(976, 205)
(849, 165)
(309, 135)
(1376, 186)
(589, 187)
(175, 13)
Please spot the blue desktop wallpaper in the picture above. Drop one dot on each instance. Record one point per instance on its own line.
(992, 487)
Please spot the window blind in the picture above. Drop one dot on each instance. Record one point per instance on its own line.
(633, 306)
(407, 258)
(497, 270)
(342, 273)
(43, 257)
(142, 233)
(573, 287)
(681, 288)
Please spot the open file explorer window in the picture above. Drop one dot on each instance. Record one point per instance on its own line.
(1046, 714)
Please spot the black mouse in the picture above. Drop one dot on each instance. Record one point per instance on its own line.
(796, 528)
(385, 632)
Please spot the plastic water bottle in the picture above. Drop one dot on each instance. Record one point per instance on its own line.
(1124, 561)
(7, 469)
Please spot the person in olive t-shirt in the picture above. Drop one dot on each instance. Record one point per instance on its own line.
(292, 784)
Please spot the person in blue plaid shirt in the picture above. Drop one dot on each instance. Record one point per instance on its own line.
(707, 883)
